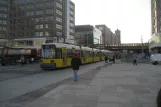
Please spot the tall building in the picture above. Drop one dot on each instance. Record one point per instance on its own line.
(34, 22)
(87, 35)
(118, 36)
(106, 34)
(3, 21)
(156, 16)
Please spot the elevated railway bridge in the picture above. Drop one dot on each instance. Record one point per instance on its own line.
(135, 47)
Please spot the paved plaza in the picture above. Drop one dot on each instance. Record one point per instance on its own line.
(116, 85)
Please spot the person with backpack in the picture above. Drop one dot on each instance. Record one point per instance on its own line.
(75, 63)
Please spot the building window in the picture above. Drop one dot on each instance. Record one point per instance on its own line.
(4, 1)
(59, 12)
(60, 0)
(29, 0)
(0, 28)
(30, 33)
(59, 33)
(58, 19)
(22, 7)
(58, 5)
(72, 24)
(49, 26)
(21, 1)
(58, 26)
(39, 5)
(29, 13)
(39, 33)
(39, 12)
(71, 30)
(71, 6)
(72, 18)
(3, 8)
(49, 3)
(49, 18)
(30, 6)
(1, 21)
(4, 16)
(4, 28)
(31, 20)
(46, 33)
(39, 19)
(4, 22)
(39, 26)
(49, 11)
(71, 12)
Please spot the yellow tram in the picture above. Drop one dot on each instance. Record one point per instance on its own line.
(59, 55)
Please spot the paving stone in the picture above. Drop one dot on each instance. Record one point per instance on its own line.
(67, 99)
(62, 105)
(146, 98)
(97, 82)
(108, 105)
(124, 97)
(131, 104)
(108, 82)
(55, 91)
(112, 97)
(42, 102)
(87, 98)
(86, 104)
(109, 89)
(121, 89)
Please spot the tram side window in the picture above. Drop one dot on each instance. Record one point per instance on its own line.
(48, 52)
(70, 54)
(58, 53)
(82, 53)
(88, 53)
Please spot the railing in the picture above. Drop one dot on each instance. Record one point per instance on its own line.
(113, 45)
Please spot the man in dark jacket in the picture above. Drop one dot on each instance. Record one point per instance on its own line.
(159, 99)
(75, 62)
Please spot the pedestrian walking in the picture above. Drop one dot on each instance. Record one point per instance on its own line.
(22, 60)
(75, 62)
(113, 58)
(135, 61)
(106, 59)
(159, 99)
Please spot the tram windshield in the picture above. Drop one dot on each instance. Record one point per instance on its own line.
(48, 51)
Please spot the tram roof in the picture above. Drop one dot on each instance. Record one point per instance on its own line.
(61, 45)
(87, 48)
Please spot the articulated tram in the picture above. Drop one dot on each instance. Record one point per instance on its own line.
(59, 55)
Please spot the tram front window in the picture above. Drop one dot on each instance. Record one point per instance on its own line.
(48, 51)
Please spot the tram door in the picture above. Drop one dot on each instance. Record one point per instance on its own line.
(64, 56)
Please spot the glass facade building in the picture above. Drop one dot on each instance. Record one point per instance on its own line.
(87, 35)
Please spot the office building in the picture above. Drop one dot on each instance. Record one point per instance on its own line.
(106, 34)
(118, 36)
(34, 22)
(87, 35)
(108, 37)
(3, 21)
(156, 16)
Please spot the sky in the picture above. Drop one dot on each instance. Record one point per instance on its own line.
(132, 17)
